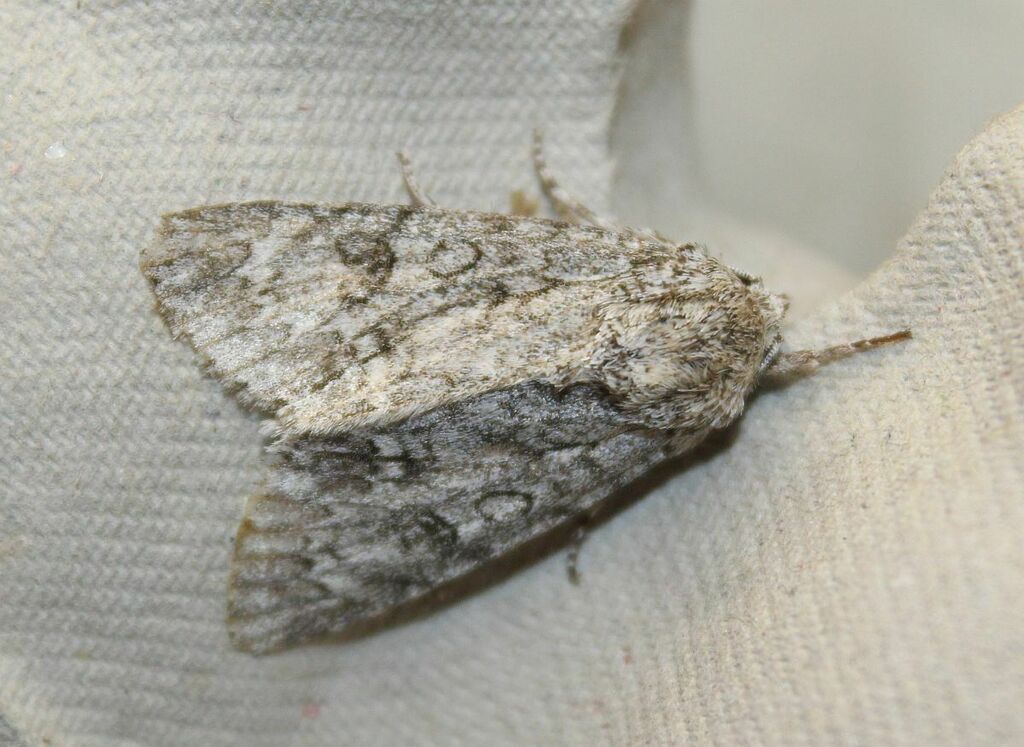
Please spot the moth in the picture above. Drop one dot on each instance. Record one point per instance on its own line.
(444, 386)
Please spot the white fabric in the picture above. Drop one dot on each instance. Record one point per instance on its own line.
(845, 566)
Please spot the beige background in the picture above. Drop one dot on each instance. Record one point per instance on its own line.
(857, 108)
(845, 568)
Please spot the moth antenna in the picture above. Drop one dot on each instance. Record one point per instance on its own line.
(803, 362)
(568, 207)
(571, 209)
(419, 197)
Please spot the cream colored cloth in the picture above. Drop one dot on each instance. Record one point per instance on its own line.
(846, 568)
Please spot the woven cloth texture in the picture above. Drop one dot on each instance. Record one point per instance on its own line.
(844, 567)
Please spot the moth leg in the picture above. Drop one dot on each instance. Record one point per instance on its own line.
(567, 206)
(419, 197)
(572, 557)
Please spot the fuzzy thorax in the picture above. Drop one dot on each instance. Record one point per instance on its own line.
(683, 343)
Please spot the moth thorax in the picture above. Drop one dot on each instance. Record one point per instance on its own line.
(680, 363)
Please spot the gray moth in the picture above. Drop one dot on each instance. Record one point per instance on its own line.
(445, 386)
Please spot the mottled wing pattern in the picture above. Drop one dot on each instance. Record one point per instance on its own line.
(335, 317)
(355, 525)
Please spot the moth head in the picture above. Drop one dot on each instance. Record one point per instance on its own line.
(683, 341)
